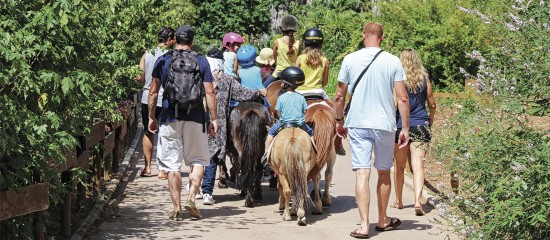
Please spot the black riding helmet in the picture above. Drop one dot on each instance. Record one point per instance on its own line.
(293, 75)
(313, 37)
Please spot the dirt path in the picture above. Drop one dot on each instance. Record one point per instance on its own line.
(140, 211)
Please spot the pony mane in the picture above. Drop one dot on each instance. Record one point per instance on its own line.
(322, 119)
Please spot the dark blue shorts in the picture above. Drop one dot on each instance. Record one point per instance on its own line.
(145, 117)
(417, 134)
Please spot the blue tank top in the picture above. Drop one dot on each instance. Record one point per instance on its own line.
(229, 63)
(251, 77)
(417, 106)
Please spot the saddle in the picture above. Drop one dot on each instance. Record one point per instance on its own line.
(314, 97)
(291, 125)
(294, 125)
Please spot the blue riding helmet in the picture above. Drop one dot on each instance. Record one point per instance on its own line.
(246, 55)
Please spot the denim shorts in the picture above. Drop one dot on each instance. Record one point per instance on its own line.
(364, 140)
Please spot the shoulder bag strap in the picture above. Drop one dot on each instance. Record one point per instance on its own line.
(364, 71)
(346, 110)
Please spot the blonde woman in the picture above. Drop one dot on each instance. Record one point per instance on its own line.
(419, 90)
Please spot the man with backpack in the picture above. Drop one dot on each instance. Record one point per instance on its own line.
(183, 123)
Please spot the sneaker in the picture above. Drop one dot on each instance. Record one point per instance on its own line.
(199, 194)
(192, 209)
(208, 199)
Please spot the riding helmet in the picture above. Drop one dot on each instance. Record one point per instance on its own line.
(230, 38)
(215, 53)
(293, 75)
(246, 55)
(289, 23)
(313, 37)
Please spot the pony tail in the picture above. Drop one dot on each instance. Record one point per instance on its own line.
(297, 172)
(291, 49)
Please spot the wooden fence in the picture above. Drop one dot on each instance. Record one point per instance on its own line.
(100, 152)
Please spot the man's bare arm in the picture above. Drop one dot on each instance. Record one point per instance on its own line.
(402, 103)
(152, 104)
(339, 108)
(212, 107)
(141, 77)
(211, 100)
(340, 99)
(153, 96)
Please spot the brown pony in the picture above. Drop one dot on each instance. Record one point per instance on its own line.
(273, 91)
(323, 121)
(289, 157)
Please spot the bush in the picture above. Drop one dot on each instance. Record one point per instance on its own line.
(517, 69)
(438, 30)
(502, 166)
(501, 160)
(62, 64)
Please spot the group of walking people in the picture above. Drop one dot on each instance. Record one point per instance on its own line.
(388, 101)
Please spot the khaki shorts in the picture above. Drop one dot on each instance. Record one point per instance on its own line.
(182, 141)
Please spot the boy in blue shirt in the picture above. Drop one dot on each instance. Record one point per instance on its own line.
(291, 105)
(249, 74)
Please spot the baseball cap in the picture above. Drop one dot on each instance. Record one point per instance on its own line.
(185, 32)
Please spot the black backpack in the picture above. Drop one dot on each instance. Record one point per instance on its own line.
(184, 87)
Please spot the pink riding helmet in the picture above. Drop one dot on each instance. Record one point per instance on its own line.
(230, 38)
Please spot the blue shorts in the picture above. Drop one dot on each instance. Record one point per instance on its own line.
(362, 141)
(273, 130)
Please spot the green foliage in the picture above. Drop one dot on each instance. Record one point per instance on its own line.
(517, 68)
(214, 18)
(502, 161)
(62, 64)
(439, 32)
(503, 169)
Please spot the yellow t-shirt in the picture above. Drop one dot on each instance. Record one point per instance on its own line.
(314, 77)
(283, 60)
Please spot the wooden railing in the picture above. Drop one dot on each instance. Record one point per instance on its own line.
(110, 138)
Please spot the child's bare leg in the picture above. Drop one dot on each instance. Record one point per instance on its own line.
(268, 141)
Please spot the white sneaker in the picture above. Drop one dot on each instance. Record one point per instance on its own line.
(208, 199)
(199, 195)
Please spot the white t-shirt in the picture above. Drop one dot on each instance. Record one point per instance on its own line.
(372, 105)
(150, 60)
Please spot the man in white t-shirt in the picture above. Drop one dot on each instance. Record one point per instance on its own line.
(166, 40)
(370, 122)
